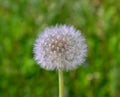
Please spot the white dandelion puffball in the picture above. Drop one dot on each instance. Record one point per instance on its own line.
(60, 47)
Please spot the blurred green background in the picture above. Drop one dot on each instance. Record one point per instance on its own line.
(20, 22)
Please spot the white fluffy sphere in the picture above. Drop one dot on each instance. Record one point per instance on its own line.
(60, 47)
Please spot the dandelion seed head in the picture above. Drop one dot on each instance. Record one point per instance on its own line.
(60, 47)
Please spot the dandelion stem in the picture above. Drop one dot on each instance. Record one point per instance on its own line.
(61, 83)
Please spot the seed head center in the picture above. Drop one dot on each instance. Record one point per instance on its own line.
(58, 46)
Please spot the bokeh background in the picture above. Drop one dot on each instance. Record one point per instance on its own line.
(20, 23)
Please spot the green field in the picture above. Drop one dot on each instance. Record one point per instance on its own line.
(20, 23)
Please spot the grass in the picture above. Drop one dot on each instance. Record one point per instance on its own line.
(20, 22)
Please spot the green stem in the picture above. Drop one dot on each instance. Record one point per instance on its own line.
(61, 83)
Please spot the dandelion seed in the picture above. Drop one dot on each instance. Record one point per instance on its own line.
(60, 47)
